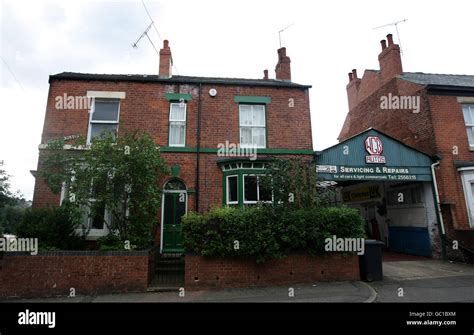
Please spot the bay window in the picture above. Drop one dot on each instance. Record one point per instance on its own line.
(254, 191)
(232, 190)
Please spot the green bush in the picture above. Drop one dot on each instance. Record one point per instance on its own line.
(265, 232)
(54, 227)
(125, 174)
(10, 216)
(111, 242)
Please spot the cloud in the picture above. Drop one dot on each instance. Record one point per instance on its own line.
(212, 38)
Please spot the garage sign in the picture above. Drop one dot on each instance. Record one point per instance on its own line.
(374, 146)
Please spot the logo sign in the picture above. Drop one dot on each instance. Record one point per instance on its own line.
(326, 168)
(374, 146)
(361, 194)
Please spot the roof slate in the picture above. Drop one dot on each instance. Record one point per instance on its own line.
(176, 79)
(456, 80)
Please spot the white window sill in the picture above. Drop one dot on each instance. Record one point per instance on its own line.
(247, 146)
(93, 234)
(66, 147)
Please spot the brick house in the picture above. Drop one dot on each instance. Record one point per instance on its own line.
(433, 113)
(197, 122)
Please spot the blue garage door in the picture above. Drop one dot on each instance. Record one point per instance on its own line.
(410, 240)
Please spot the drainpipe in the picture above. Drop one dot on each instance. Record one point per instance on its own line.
(198, 145)
(438, 208)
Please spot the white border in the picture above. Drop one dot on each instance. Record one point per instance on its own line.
(466, 180)
(185, 123)
(91, 112)
(106, 94)
(253, 145)
(228, 188)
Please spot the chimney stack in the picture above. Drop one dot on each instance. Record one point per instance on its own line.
(166, 61)
(390, 60)
(265, 74)
(283, 68)
(353, 88)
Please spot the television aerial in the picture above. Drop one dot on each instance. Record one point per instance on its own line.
(396, 23)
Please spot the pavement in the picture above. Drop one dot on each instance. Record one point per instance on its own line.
(317, 292)
(424, 280)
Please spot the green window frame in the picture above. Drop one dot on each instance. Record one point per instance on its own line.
(229, 194)
(238, 170)
(258, 190)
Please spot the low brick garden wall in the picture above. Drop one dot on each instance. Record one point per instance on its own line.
(51, 274)
(214, 273)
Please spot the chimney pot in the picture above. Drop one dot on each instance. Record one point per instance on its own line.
(282, 52)
(354, 73)
(265, 74)
(390, 39)
(384, 44)
(165, 44)
(350, 76)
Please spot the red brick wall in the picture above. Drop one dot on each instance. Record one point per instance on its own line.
(414, 129)
(54, 274)
(427, 131)
(437, 128)
(208, 273)
(448, 135)
(42, 196)
(146, 108)
(210, 179)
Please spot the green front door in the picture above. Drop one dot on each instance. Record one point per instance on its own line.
(174, 207)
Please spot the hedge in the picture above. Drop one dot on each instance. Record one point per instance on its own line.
(55, 228)
(265, 232)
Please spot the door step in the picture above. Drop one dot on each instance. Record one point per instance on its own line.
(163, 289)
(169, 273)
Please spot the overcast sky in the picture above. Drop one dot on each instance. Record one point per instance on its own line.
(214, 38)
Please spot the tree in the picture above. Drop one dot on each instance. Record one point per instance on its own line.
(12, 205)
(6, 197)
(295, 184)
(119, 174)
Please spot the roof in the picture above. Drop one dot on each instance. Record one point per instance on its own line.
(398, 161)
(372, 129)
(433, 79)
(175, 79)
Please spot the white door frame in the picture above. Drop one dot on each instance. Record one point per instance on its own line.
(163, 210)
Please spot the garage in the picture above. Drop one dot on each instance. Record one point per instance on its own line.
(390, 184)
